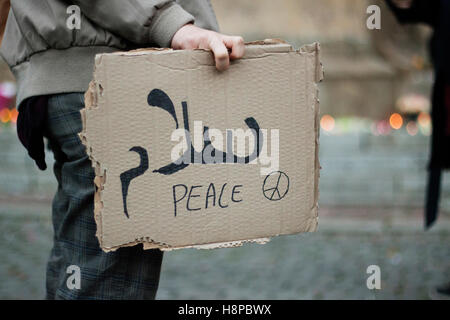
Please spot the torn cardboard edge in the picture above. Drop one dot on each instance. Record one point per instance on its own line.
(255, 49)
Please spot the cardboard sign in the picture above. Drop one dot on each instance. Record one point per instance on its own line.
(187, 156)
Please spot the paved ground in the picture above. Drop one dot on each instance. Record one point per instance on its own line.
(370, 215)
(329, 264)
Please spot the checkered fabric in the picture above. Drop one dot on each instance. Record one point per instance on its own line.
(128, 273)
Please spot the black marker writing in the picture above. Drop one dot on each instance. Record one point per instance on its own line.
(127, 176)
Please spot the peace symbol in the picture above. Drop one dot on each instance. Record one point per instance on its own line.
(275, 186)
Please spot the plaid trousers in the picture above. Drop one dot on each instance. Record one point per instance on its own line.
(128, 273)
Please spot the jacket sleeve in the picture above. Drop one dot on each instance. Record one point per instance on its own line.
(138, 21)
(421, 11)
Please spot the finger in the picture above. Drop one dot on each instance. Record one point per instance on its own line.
(237, 46)
(220, 53)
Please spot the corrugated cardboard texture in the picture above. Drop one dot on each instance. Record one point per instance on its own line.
(273, 83)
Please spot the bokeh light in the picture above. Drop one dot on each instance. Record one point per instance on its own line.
(412, 128)
(383, 127)
(396, 121)
(424, 119)
(14, 115)
(327, 123)
(413, 103)
(418, 62)
(5, 115)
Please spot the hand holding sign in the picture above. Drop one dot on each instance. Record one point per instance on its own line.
(193, 37)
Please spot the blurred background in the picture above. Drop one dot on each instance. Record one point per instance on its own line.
(374, 144)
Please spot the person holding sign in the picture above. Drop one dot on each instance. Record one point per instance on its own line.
(50, 47)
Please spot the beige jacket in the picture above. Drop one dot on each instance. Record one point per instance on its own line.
(50, 45)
